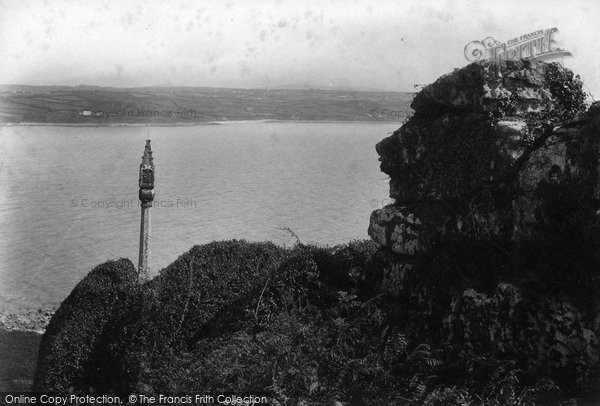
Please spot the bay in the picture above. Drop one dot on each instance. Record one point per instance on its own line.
(68, 195)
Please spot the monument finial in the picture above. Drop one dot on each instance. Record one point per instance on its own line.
(147, 160)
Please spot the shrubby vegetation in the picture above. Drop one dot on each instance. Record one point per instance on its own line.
(76, 328)
(296, 323)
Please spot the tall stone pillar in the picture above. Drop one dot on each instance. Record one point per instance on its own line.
(146, 195)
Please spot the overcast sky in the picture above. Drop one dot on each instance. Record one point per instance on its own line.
(388, 45)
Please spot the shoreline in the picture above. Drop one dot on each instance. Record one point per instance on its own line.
(27, 320)
(197, 124)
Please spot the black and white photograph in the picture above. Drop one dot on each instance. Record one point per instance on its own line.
(300, 203)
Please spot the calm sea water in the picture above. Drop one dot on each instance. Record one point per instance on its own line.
(68, 195)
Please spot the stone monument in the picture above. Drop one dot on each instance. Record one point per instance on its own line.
(146, 195)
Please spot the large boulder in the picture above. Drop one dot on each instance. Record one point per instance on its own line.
(481, 141)
(493, 236)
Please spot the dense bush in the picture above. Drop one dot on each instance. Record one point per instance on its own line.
(294, 323)
(167, 315)
(77, 326)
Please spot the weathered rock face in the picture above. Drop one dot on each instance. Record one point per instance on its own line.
(498, 156)
(476, 147)
(455, 147)
(484, 87)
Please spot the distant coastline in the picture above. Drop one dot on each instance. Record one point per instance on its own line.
(93, 107)
(194, 124)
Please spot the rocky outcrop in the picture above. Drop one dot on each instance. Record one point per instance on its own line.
(495, 180)
(477, 138)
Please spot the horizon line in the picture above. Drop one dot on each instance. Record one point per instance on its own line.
(276, 87)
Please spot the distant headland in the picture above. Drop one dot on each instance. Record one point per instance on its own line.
(94, 106)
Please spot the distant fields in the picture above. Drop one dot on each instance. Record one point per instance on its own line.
(189, 105)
